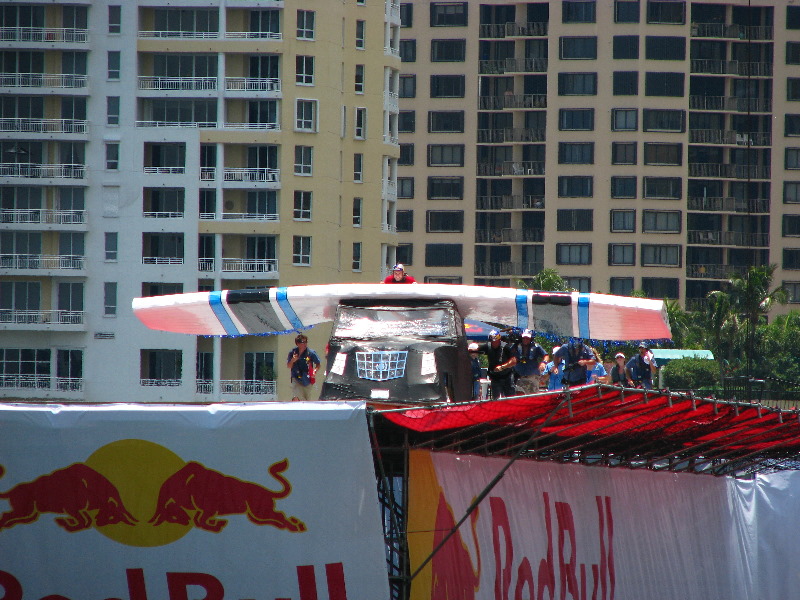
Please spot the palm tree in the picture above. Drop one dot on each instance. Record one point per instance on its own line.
(720, 324)
(547, 280)
(679, 322)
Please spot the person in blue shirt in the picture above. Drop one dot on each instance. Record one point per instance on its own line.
(302, 362)
(528, 363)
(554, 372)
(598, 374)
(578, 359)
(475, 363)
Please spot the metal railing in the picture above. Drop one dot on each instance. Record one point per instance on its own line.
(730, 67)
(41, 261)
(729, 171)
(714, 271)
(185, 124)
(262, 126)
(510, 168)
(35, 170)
(727, 238)
(44, 125)
(41, 215)
(728, 204)
(165, 170)
(179, 34)
(246, 174)
(43, 34)
(732, 31)
(162, 215)
(720, 136)
(38, 80)
(160, 382)
(41, 382)
(254, 35)
(512, 202)
(162, 260)
(507, 269)
(514, 134)
(512, 101)
(511, 29)
(41, 317)
(252, 84)
(249, 265)
(732, 103)
(149, 82)
(500, 236)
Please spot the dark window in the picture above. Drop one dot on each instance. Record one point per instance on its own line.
(445, 221)
(408, 50)
(448, 14)
(626, 11)
(626, 83)
(663, 154)
(791, 192)
(624, 119)
(793, 17)
(407, 121)
(793, 53)
(577, 84)
(445, 188)
(446, 279)
(793, 89)
(406, 15)
(404, 220)
(443, 255)
(578, 11)
(622, 254)
(404, 254)
(661, 221)
(445, 155)
(662, 47)
(448, 50)
(573, 254)
(623, 221)
(660, 287)
(574, 219)
(666, 12)
(791, 258)
(576, 186)
(451, 121)
(663, 84)
(408, 86)
(792, 158)
(621, 286)
(663, 187)
(791, 225)
(623, 187)
(661, 255)
(623, 153)
(663, 120)
(791, 125)
(578, 48)
(447, 86)
(576, 119)
(626, 46)
(576, 153)
(406, 154)
(405, 187)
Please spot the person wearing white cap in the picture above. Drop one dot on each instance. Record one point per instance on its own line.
(475, 363)
(618, 374)
(641, 367)
(399, 275)
(528, 363)
(500, 361)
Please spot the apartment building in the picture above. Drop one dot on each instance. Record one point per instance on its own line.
(630, 144)
(151, 147)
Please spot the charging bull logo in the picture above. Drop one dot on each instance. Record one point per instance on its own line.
(141, 494)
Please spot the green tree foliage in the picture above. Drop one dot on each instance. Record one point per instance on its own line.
(547, 280)
(690, 374)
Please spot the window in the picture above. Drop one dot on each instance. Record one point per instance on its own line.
(112, 156)
(356, 256)
(358, 204)
(665, 48)
(445, 188)
(573, 254)
(408, 50)
(406, 16)
(111, 245)
(622, 254)
(443, 255)
(663, 84)
(666, 11)
(305, 118)
(360, 132)
(407, 121)
(305, 24)
(621, 286)
(793, 17)
(448, 50)
(626, 11)
(575, 186)
(663, 154)
(405, 187)
(663, 120)
(451, 121)
(793, 53)
(301, 250)
(576, 119)
(624, 119)
(791, 192)
(793, 291)
(359, 79)
(110, 298)
(575, 153)
(623, 221)
(578, 11)
(663, 187)
(151, 288)
(574, 219)
(445, 155)
(623, 153)
(791, 226)
(445, 221)
(577, 84)
(791, 259)
(358, 167)
(303, 160)
(447, 86)
(112, 110)
(114, 19)
(578, 48)
(626, 47)
(408, 86)
(659, 255)
(302, 205)
(623, 187)
(304, 70)
(404, 220)
(404, 254)
(360, 34)
(626, 83)
(114, 60)
(448, 14)
(791, 125)
(661, 221)
(406, 155)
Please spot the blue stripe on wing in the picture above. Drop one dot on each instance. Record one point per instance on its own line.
(215, 300)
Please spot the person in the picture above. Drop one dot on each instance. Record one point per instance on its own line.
(640, 368)
(553, 371)
(399, 275)
(618, 375)
(475, 363)
(499, 359)
(527, 359)
(578, 359)
(302, 362)
(598, 373)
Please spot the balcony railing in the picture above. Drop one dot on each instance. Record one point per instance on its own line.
(727, 238)
(729, 171)
(252, 84)
(41, 261)
(186, 124)
(41, 382)
(249, 265)
(720, 136)
(191, 35)
(506, 269)
(738, 205)
(205, 264)
(732, 103)
(515, 134)
(730, 67)
(712, 271)
(44, 125)
(40, 215)
(41, 317)
(254, 175)
(162, 260)
(390, 51)
(34, 170)
(43, 34)
(261, 126)
(234, 216)
(160, 382)
(162, 215)
(512, 101)
(512, 202)
(502, 30)
(39, 80)
(253, 35)
(732, 31)
(147, 82)
(238, 386)
(509, 236)
(513, 65)
(511, 168)
(165, 170)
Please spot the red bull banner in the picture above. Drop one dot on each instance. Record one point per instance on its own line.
(559, 531)
(222, 502)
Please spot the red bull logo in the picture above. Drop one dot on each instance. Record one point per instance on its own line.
(141, 494)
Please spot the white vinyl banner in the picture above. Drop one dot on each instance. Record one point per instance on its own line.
(234, 502)
(559, 531)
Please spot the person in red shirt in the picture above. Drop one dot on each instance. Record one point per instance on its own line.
(399, 275)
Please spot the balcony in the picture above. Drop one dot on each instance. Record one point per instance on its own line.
(731, 103)
(504, 30)
(43, 80)
(259, 126)
(165, 170)
(253, 35)
(711, 271)
(11, 316)
(727, 238)
(252, 84)
(232, 216)
(732, 31)
(512, 101)
(508, 269)
(180, 35)
(512, 202)
(266, 389)
(729, 171)
(162, 215)
(730, 67)
(248, 175)
(735, 205)
(44, 34)
(392, 139)
(391, 51)
(184, 124)
(510, 168)
(41, 382)
(34, 170)
(162, 260)
(42, 261)
(513, 65)
(181, 84)
(733, 138)
(160, 382)
(509, 236)
(240, 265)
(42, 216)
(515, 134)
(391, 11)
(44, 125)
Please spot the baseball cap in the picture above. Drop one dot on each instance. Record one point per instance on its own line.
(527, 333)
(493, 334)
(644, 345)
(555, 349)
(473, 347)
(619, 355)
(398, 267)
